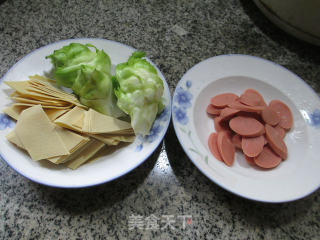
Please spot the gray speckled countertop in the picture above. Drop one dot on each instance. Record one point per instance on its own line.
(167, 183)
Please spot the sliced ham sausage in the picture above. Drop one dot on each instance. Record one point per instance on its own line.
(254, 115)
(222, 100)
(281, 132)
(284, 112)
(270, 116)
(250, 125)
(219, 125)
(267, 158)
(245, 108)
(213, 146)
(251, 97)
(226, 148)
(246, 126)
(227, 113)
(236, 140)
(252, 146)
(250, 160)
(276, 142)
(213, 110)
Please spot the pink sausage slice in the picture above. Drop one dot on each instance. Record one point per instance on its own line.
(276, 142)
(246, 126)
(281, 132)
(267, 158)
(250, 160)
(226, 148)
(217, 124)
(222, 100)
(227, 113)
(213, 110)
(245, 108)
(284, 112)
(251, 97)
(265, 139)
(212, 143)
(236, 140)
(253, 146)
(220, 125)
(270, 116)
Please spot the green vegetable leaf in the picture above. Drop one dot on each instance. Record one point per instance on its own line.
(139, 92)
(88, 74)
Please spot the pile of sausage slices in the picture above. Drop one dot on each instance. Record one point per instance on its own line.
(250, 125)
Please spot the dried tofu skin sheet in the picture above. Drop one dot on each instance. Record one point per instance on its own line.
(38, 134)
(12, 137)
(107, 141)
(40, 83)
(88, 151)
(123, 138)
(22, 99)
(78, 123)
(113, 139)
(42, 78)
(14, 111)
(22, 88)
(53, 114)
(71, 140)
(105, 151)
(71, 118)
(48, 84)
(44, 106)
(85, 122)
(81, 120)
(41, 88)
(95, 122)
(51, 93)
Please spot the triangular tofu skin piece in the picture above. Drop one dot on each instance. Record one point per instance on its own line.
(12, 137)
(14, 111)
(53, 114)
(44, 106)
(72, 141)
(38, 134)
(100, 123)
(22, 88)
(113, 139)
(89, 150)
(69, 119)
(22, 99)
(78, 123)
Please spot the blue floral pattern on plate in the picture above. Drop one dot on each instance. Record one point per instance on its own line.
(315, 118)
(6, 121)
(183, 97)
(182, 101)
(180, 115)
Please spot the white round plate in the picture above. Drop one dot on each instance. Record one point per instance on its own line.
(105, 168)
(295, 177)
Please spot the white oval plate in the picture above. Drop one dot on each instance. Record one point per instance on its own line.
(295, 177)
(105, 168)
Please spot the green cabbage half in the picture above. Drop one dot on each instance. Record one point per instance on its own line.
(88, 74)
(139, 91)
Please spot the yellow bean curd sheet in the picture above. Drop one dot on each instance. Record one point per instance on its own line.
(71, 135)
